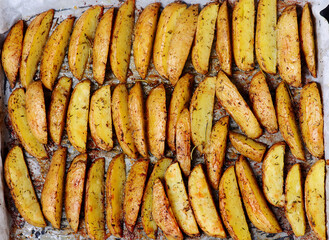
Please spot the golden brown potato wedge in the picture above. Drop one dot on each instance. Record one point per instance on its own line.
(134, 190)
(94, 202)
(287, 121)
(12, 52)
(100, 118)
(54, 53)
(311, 119)
(204, 37)
(121, 122)
(230, 98)
(35, 39)
(53, 188)
(254, 201)
(19, 181)
(289, 64)
(231, 208)
(77, 116)
(144, 36)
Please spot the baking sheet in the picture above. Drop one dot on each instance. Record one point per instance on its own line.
(12, 10)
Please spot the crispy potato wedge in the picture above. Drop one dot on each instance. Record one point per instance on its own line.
(215, 150)
(204, 37)
(181, 42)
(121, 123)
(254, 201)
(21, 188)
(156, 115)
(294, 206)
(137, 118)
(77, 116)
(17, 114)
(100, 118)
(230, 98)
(315, 198)
(287, 121)
(134, 190)
(273, 166)
(35, 39)
(201, 110)
(102, 45)
(149, 225)
(289, 64)
(144, 35)
(54, 53)
(311, 119)
(12, 52)
(231, 208)
(179, 202)
(115, 182)
(53, 188)
(94, 202)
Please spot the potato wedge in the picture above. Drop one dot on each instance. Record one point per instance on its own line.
(149, 225)
(12, 52)
(115, 182)
(179, 202)
(265, 45)
(204, 37)
(273, 166)
(165, 28)
(230, 205)
(121, 40)
(315, 202)
(35, 39)
(311, 119)
(54, 53)
(36, 111)
(287, 121)
(21, 188)
(75, 182)
(144, 35)
(137, 118)
(230, 98)
(247, 147)
(53, 188)
(215, 150)
(81, 40)
(289, 64)
(262, 103)
(254, 201)
(156, 115)
(134, 190)
(243, 24)
(201, 110)
(100, 118)
(77, 116)
(17, 114)
(102, 45)
(58, 107)
(121, 122)
(94, 202)
(294, 206)
(181, 42)
(163, 214)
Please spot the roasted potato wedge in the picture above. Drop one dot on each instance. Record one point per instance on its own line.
(21, 188)
(134, 190)
(204, 37)
(254, 201)
(230, 98)
(35, 39)
(231, 208)
(144, 35)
